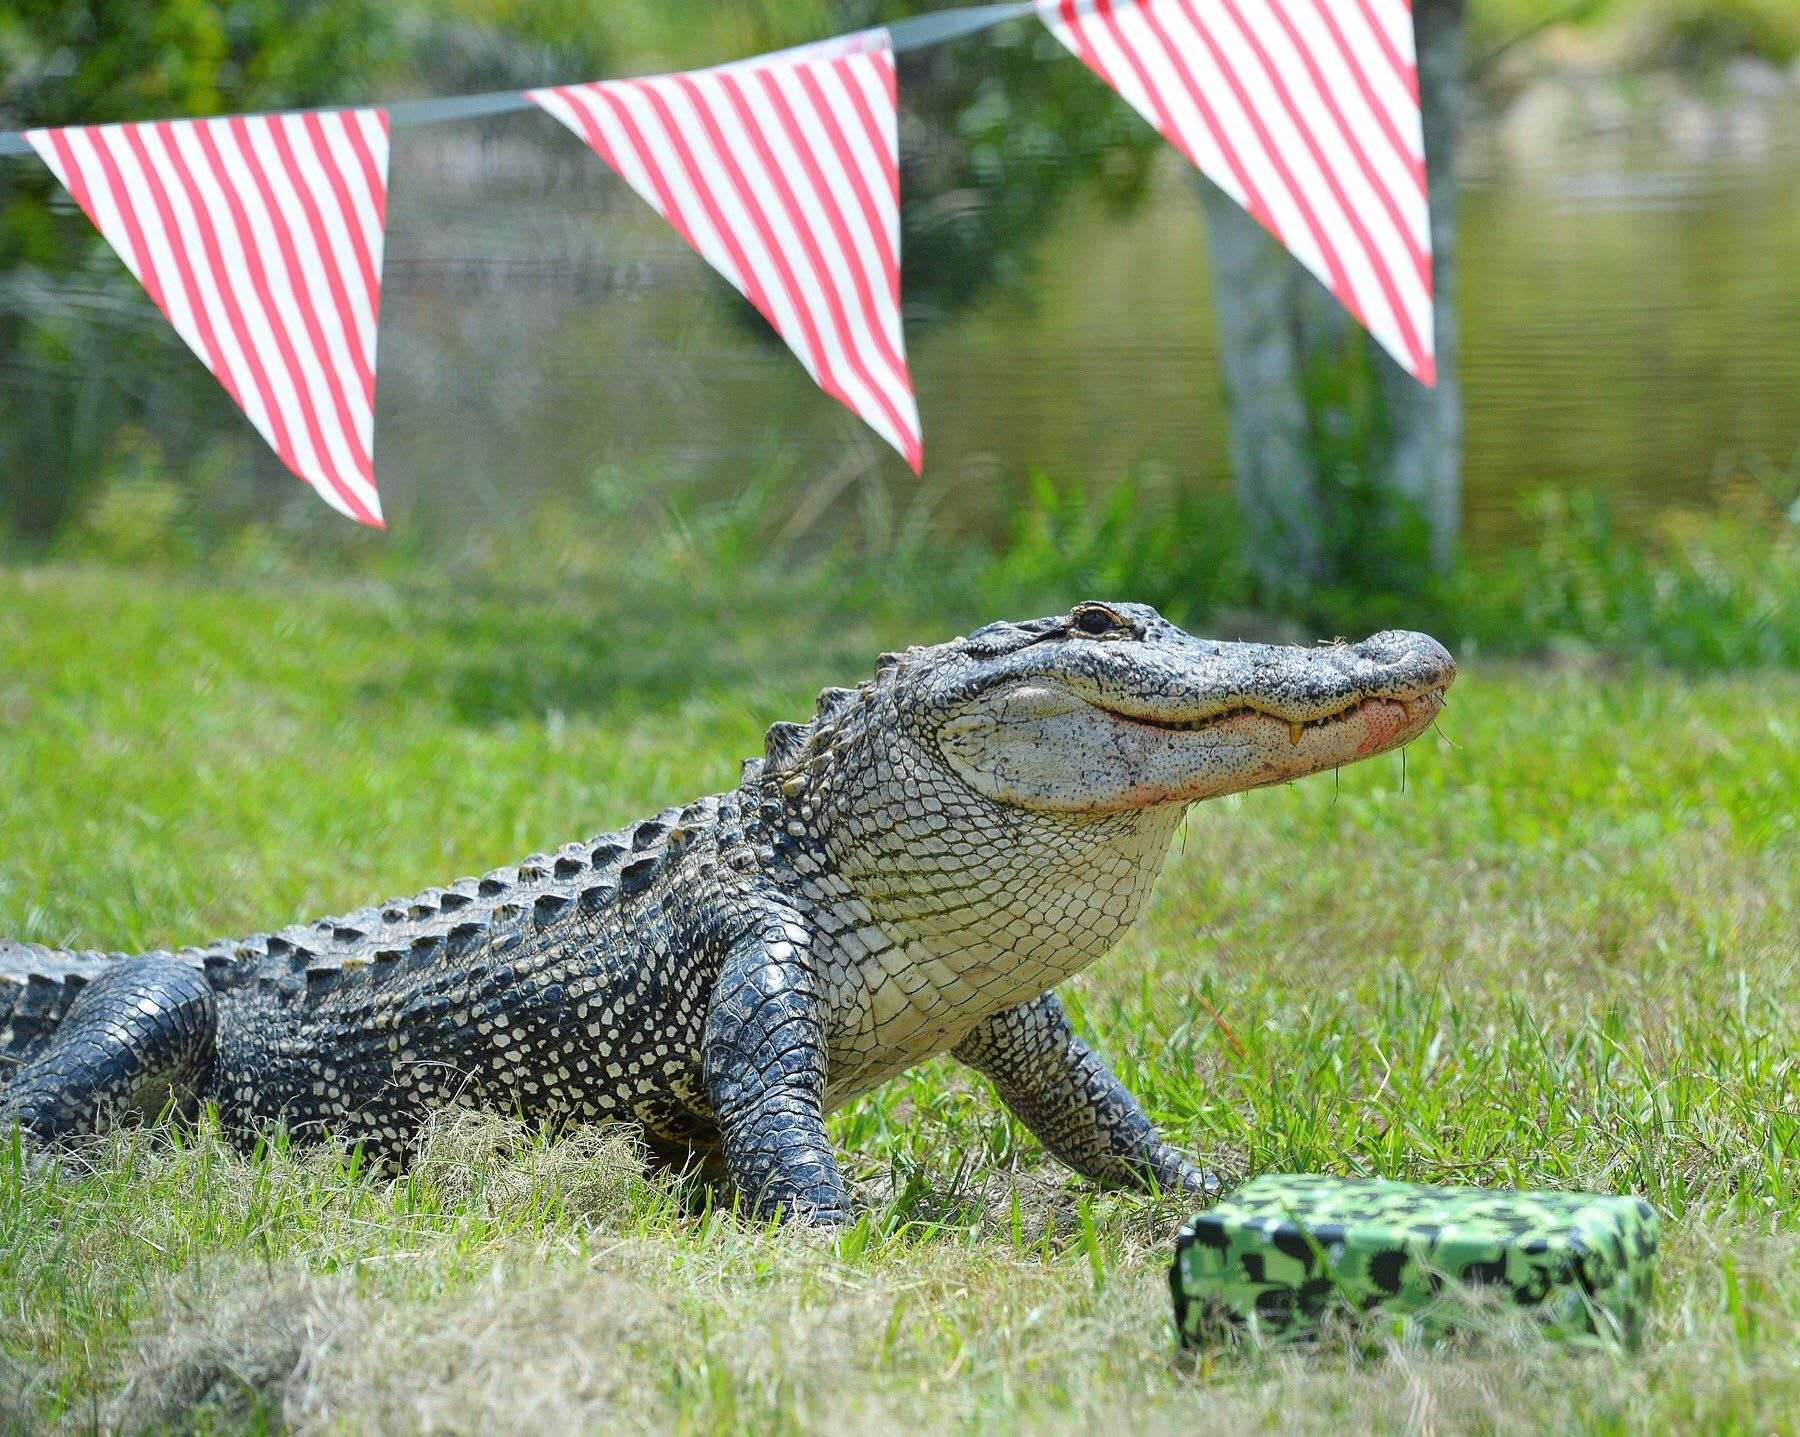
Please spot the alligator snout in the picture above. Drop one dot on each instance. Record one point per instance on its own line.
(1306, 685)
(1404, 659)
(1179, 681)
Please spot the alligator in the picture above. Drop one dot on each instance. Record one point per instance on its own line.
(911, 872)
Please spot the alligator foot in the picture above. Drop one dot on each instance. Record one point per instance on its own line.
(1055, 1084)
(1168, 1170)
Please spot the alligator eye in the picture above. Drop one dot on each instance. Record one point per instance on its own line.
(1096, 619)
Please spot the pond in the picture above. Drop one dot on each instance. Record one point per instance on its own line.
(1628, 328)
(1630, 324)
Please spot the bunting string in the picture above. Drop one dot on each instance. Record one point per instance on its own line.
(260, 236)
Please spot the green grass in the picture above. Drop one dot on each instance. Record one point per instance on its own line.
(1556, 948)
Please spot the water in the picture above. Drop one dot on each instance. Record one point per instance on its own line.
(1630, 325)
(1630, 329)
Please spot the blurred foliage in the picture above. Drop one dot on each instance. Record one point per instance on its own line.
(1698, 591)
(997, 133)
(1183, 555)
(1643, 33)
(80, 61)
(1373, 540)
(994, 136)
(610, 574)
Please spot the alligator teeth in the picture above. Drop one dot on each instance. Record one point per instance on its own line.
(1406, 708)
(1294, 730)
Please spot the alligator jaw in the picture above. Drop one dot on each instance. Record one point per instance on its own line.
(1296, 726)
(1156, 716)
(1202, 682)
(1246, 748)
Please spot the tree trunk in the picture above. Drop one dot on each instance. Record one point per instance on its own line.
(1348, 471)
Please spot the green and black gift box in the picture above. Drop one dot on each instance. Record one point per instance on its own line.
(1283, 1252)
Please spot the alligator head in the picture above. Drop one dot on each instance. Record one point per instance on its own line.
(1016, 790)
(1112, 707)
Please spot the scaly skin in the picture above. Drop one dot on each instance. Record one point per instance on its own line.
(910, 873)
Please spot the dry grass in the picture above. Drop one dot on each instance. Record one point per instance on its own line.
(505, 1314)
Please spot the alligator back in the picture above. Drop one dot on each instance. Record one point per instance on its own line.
(38, 984)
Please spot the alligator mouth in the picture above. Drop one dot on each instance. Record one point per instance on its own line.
(1432, 699)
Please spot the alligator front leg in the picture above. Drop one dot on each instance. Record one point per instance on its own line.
(1057, 1087)
(763, 1057)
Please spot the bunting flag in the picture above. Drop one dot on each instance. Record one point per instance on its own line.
(783, 173)
(1306, 112)
(260, 238)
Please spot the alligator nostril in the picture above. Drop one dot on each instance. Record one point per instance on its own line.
(1376, 649)
(1426, 657)
(1403, 648)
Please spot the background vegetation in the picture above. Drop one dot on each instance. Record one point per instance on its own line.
(1651, 32)
(1695, 589)
(998, 143)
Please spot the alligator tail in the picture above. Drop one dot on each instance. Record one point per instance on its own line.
(36, 987)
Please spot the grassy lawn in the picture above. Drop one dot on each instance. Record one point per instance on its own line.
(1557, 947)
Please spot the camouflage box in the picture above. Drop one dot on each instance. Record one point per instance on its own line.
(1284, 1251)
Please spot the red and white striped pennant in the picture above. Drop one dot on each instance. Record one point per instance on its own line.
(260, 237)
(783, 173)
(1306, 112)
